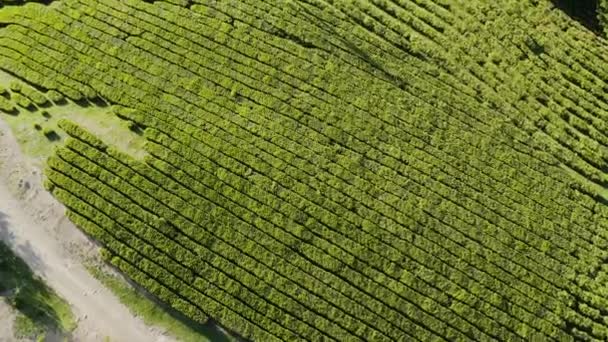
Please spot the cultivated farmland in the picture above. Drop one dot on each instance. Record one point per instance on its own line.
(383, 170)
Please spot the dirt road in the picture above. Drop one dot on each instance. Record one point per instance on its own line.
(33, 223)
(6, 329)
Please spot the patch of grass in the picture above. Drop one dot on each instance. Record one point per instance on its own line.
(25, 328)
(154, 314)
(39, 308)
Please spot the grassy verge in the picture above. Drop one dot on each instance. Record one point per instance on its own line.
(154, 314)
(39, 309)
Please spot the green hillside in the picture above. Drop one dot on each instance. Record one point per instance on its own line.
(382, 170)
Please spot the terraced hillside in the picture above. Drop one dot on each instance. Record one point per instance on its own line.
(385, 170)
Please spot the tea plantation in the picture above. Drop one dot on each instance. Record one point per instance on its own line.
(378, 170)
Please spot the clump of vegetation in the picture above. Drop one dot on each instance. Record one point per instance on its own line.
(23, 101)
(6, 105)
(56, 97)
(134, 127)
(26, 328)
(50, 134)
(16, 86)
(34, 95)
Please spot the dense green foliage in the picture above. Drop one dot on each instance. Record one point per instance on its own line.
(602, 14)
(349, 170)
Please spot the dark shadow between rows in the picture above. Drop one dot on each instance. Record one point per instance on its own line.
(583, 11)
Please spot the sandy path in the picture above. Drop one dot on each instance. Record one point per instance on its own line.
(33, 223)
(6, 322)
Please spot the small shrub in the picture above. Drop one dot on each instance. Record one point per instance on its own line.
(26, 328)
(7, 106)
(22, 101)
(50, 134)
(38, 98)
(15, 86)
(48, 185)
(55, 96)
(105, 254)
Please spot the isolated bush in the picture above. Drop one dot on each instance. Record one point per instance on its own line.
(50, 134)
(15, 86)
(35, 96)
(22, 100)
(6, 105)
(55, 96)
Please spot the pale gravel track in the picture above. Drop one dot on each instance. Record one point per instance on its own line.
(33, 223)
(6, 323)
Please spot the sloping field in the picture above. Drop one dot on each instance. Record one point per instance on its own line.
(385, 170)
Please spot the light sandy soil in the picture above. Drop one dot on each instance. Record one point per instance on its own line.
(6, 322)
(34, 224)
